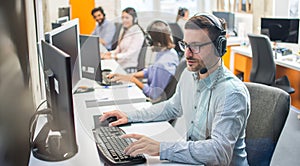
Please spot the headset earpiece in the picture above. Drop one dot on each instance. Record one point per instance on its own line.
(135, 20)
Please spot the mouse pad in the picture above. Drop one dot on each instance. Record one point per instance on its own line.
(84, 90)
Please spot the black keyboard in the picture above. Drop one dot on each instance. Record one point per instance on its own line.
(111, 146)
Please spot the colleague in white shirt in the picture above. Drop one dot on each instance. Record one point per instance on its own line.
(130, 42)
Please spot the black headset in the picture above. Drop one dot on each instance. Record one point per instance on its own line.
(131, 11)
(220, 42)
(149, 27)
(181, 11)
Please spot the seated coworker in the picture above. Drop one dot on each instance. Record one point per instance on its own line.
(215, 104)
(166, 61)
(130, 42)
(182, 16)
(104, 28)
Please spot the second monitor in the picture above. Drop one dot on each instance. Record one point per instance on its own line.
(90, 57)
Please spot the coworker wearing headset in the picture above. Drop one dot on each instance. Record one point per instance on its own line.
(215, 104)
(130, 42)
(166, 61)
(104, 28)
(182, 16)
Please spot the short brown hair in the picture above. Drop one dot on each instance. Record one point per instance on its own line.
(202, 22)
(161, 34)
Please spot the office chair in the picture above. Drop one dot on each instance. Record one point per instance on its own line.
(263, 66)
(177, 35)
(116, 35)
(269, 109)
(142, 56)
(141, 60)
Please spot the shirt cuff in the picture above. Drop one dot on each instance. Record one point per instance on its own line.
(165, 150)
(145, 73)
(146, 90)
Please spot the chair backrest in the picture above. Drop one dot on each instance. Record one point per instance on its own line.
(263, 65)
(116, 35)
(177, 35)
(269, 109)
(142, 56)
(171, 86)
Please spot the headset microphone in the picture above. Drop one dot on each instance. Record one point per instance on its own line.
(203, 70)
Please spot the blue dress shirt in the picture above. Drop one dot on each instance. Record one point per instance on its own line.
(218, 109)
(105, 31)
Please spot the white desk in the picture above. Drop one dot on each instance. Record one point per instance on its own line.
(84, 123)
(87, 152)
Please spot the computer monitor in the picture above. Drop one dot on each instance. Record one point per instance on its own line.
(57, 140)
(66, 38)
(284, 30)
(90, 57)
(229, 18)
(59, 22)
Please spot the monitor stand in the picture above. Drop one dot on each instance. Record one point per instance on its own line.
(50, 147)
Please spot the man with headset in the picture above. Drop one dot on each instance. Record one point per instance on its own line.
(104, 28)
(215, 104)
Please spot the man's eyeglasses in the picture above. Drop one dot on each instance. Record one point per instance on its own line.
(194, 47)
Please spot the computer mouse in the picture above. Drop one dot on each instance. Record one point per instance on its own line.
(107, 121)
(84, 89)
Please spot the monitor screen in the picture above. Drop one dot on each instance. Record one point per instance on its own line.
(90, 57)
(66, 38)
(228, 17)
(57, 69)
(281, 29)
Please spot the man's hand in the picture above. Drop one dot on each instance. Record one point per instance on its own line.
(142, 145)
(122, 117)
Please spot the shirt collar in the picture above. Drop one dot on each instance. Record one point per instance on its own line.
(212, 77)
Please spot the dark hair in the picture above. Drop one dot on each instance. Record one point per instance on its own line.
(181, 12)
(98, 9)
(160, 33)
(131, 11)
(202, 22)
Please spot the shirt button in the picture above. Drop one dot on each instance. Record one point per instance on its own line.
(192, 122)
(195, 107)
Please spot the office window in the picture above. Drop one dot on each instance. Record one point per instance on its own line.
(293, 8)
(139, 6)
(171, 6)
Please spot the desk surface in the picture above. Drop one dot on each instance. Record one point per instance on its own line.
(289, 61)
(84, 123)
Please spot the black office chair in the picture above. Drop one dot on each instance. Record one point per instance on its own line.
(177, 35)
(269, 110)
(171, 86)
(116, 35)
(263, 65)
(141, 60)
(142, 56)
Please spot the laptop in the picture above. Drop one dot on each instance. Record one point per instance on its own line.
(90, 57)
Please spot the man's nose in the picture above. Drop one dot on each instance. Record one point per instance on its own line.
(188, 53)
